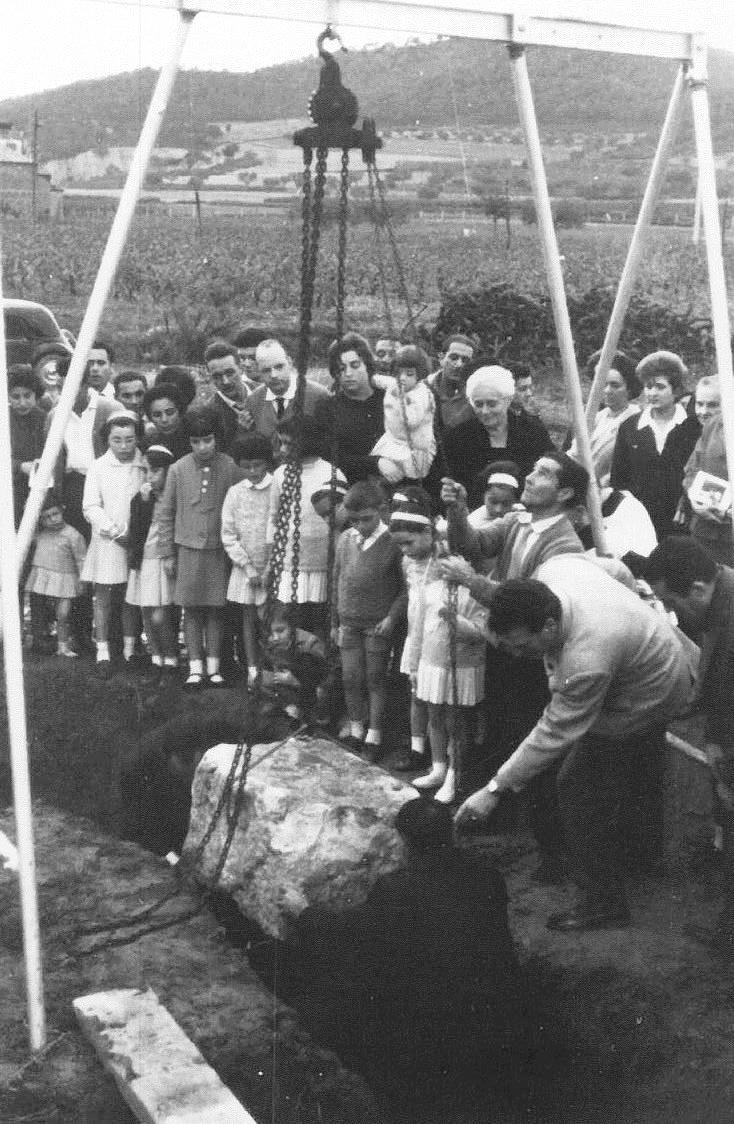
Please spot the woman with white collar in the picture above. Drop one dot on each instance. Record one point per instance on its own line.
(652, 448)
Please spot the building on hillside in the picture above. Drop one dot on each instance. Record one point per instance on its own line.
(19, 178)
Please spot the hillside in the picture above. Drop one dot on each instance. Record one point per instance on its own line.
(453, 82)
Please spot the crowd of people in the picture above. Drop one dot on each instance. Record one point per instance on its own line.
(439, 530)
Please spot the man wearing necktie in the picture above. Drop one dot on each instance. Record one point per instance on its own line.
(272, 401)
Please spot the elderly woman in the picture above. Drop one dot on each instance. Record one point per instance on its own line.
(621, 388)
(493, 433)
(652, 447)
(353, 417)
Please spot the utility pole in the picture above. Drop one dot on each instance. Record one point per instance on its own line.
(34, 166)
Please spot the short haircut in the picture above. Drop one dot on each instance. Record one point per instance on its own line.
(121, 420)
(506, 468)
(522, 603)
(203, 421)
(679, 561)
(310, 435)
(104, 345)
(623, 365)
(158, 456)
(352, 341)
(364, 494)
(128, 376)
(51, 499)
(665, 365)
(250, 337)
(458, 337)
(490, 380)
(520, 370)
(182, 379)
(411, 356)
(220, 349)
(251, 447)
(571, 474)
(162, 390)
(21, 374)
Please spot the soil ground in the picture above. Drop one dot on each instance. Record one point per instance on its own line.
(628, 1026)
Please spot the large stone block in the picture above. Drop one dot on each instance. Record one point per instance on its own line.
(315, 828)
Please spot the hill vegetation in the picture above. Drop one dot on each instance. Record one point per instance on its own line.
(455, 82)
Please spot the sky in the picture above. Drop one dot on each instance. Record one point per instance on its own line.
(49, 43)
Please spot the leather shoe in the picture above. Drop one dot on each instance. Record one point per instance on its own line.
(582, 919)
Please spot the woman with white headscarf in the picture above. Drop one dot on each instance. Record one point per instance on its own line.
(493, 433)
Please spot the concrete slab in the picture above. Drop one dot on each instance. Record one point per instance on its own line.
(158, 1070)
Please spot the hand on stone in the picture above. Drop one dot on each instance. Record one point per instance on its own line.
(475, 809)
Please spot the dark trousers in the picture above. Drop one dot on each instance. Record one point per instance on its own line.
(516, 694)
(610, 801)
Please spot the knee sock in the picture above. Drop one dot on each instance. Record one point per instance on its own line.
(103, 651)
(196, 667)
(212, 665)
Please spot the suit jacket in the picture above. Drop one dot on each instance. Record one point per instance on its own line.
(505, 539)
(263, 412)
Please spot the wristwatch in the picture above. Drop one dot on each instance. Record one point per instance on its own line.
(494, 788)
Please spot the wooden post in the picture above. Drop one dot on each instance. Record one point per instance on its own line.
(524, 96)
(634, 254)
(17, 732)
(103, 282)
(717, 278)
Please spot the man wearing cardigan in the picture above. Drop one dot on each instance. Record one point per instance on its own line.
(516, 690)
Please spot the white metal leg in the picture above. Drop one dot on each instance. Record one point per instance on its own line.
(634, 254)
(717, 278)
(17, 732)
(524, 96)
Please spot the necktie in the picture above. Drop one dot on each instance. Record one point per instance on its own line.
(279, 406)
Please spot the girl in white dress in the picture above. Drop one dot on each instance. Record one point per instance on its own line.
(408, 445)
(111, 483)
(451, 683)
(244, 526)
(54, 576)
(413, 529)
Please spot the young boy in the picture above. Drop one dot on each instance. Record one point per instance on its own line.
(371, 599)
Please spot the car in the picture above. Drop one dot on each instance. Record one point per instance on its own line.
(28, 325)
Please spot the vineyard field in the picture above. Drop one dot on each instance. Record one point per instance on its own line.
(177, 284)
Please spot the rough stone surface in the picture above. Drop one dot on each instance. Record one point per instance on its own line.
(159, 1071)
(316, 828)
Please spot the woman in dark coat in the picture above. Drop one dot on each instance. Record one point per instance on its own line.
(492, 434)
(354, 417)
(652, 448)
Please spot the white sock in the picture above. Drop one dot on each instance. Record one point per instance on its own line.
(103, 650)
(356, 730)
(170, 661)
(128, 647)
(374, 737)
(157, 661)
(417, 744)
(253, 671)
(212, 665)
(196, 667)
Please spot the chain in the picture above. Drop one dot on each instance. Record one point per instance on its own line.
(305, 221)
(377, 226)
(402, 286)
(452, 599)
(342, 251)
(311, 252)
